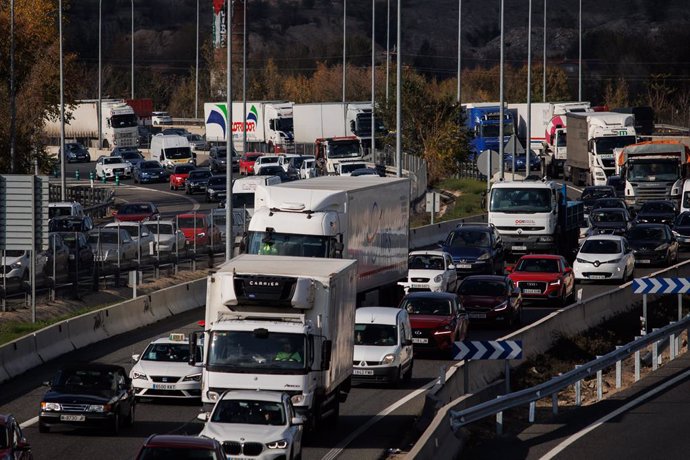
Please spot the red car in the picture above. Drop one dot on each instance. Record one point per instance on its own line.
(544, 277)
(201, 225)
(137, 212)
(177, 446)
(13, 444)
(247, 162)
(437, 320)
(179, 175)
(491, 298)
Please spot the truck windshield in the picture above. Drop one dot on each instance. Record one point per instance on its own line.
(493, 130)
(344, 150)
(284, 124)
(653, 170)
(561, 139)
(248, 351)
(287, 244)
(520, 200)
(605, 145)
(123, 121)
(178, 153)
(241, 200)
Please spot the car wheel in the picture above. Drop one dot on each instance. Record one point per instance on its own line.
(408, 374)
(43, 428)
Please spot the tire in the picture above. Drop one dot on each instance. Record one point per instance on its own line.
(43, 428)
(407, 376)
(398, 377)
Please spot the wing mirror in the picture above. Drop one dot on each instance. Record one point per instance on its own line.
(135, 358)
(509, 268)
(203, 416)
(568, 270)
(451, 267)
(297, 420)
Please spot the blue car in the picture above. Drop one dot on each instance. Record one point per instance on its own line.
(477, 249)
(150, 171)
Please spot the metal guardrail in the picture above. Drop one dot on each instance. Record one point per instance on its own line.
(95, 200)
(530, 396)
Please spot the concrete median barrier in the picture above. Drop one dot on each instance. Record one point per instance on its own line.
(128, 316)
(88, 328)
(19, 356)
(53, 341)
(184, 297)
(429, 235)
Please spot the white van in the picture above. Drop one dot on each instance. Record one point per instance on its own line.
(383, 345)
(171, 150)
(243, 190)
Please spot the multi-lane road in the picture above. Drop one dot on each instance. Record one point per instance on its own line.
(356, 435)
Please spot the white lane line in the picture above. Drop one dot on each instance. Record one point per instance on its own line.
(333, 453)
(563, 445)
(31, 421)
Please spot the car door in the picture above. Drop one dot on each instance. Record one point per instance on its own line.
(296, 430)
(628, 256)
(451, 275)
(672, 242)
(404, 335)
(568, 276)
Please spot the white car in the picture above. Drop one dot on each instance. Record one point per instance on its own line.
(163, 370)
(268, 160)
(604, 257)
(140, 234)
(109, 167)
(161, 118)
(430, 271)
(167, 236)
(261, 425)
(307, 169)
(345, 168)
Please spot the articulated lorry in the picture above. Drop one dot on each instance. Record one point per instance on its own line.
(535, 217)
(334, 119)
(653, 171)
(118, 123)
(555, 140)
(281, 324)
(482, 120)
(592, 138)
(266, 122)
(364, 218)
(332, 152)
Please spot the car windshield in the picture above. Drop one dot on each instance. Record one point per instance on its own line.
(183, 169)
(376, 334)
(150, 165)
(609, 203)
(605, 145)
(130, 209)
(169, 352)
(538, 265)
(653, 170)
(425, 262)
(159, 229)
(257, 349)
(595, 246)
(14, 253)
(70, 238)
(469, 238)
(199, 174)
(482, 287)
(683, 219)
(657, 207)
(241, 200)
(347, 149)
(131, 155)
(124, 121)
(250, 412)
(589, 194)
(520, 200)
(647, 233)
(103, 238)
(216, 180)
(349, 167)
(73, 379)
(190, 222)
(133, 230)
(607, 216)
(178, 153)
(271, 170)
(54, 211)
(267, 160)
(112, 161)
(427, 306)
(67, 225)
(177, 453)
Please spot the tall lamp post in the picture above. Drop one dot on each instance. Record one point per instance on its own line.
(100, 95)
(543, 84)
(196, 74)
(501, 98)
(244, 79)
(373, 74)
(388, 45)
(63, 181)
(13, 101)
(459, 93)
(398, 96)
(132, 32)
(344, 42)
(529, 89)
(579, 67)
(228, 130)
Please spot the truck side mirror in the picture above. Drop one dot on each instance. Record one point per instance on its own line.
(326, 355)
(352, 125)
(192, 350)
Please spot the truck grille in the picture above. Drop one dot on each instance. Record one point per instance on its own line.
(524, 229)
(649, 192)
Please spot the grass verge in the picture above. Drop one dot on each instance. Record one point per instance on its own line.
(467, 203)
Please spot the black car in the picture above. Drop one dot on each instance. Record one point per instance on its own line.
(592, 193)
(76, 153)
(612, 221)
(129, 154)
(653, 244)
(144, 134)
(618, 184)
(70, 224)
(196, 181)
(610, 203)
(81, 256)
(217, 159)
(13, 444)
(216, 189)
(477, 249)
(681, 228)
(175, 131)
(150, 171)
(275, 170)
(657, 212)
(88, 395)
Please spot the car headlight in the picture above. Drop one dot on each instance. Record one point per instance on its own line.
(582, 261)
(212, 395)
(555, 283)
(99, 408)
(438, 278)
(280, 444)
(201, 235)
(614, 261)
(485, 256)
(138, 376)
(501, 306)
(192, 378)
(16, 265)
(661, 247)
(47, 406)
(675, 233)
(297, 399)
(388, 359)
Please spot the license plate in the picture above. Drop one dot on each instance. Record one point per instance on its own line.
(72, 418)
(645, 261)
(464, 265)
(531, 291)
(519, 248)
(163, 386)
(597, 277)
(477, 315)
(416, 340)
(419, 286)
(239, 458)
(362, 372)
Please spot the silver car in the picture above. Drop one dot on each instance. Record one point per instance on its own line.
(112, 245)
(240, 220)
(167, 236)
(139, 233)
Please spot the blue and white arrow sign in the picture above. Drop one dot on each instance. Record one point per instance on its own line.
(661, 285)
(488, 349)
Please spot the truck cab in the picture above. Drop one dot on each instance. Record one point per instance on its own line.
(483, 123)
(335, 149)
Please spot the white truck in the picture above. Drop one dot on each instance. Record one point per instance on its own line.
(118, 125)
(534, 217)
(555, 135)
(244, 188)
(334, 119)
(282, 324)
(366, 218)
(266, 122)
(592, 138)
(653, 170)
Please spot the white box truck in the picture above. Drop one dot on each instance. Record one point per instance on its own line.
(118, 125)
(592, 138)
(334, 119)
(364, 218)
(282, 324)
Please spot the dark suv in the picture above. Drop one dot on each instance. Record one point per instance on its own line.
(477, 249)
(217, 159)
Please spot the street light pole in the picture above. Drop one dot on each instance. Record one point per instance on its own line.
(132, 85)
(100, 96)
(344, 42)
(543, 84)
(244, 78)
(373, 74)
(459, 94)
(388, 46)
(196, 75)
(579, 90)
(228, 145)
(529, 89)
(63, 181)
(13, 97)
(398, 98)
(501, 97)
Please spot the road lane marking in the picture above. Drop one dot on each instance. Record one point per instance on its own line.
(31, 421)
(333, 453)
(564, 445)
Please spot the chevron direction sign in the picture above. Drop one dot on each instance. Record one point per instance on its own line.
(661, 285)
(488, 349)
